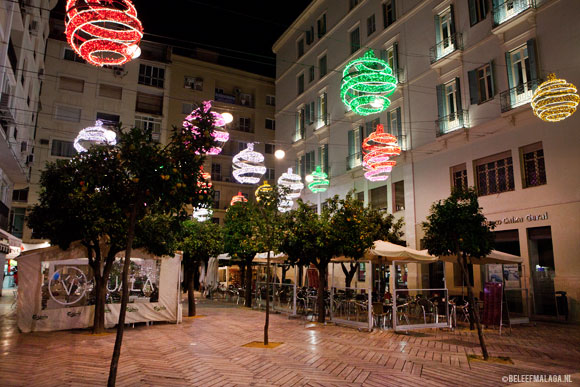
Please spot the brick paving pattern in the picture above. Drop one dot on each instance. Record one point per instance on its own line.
(207, 351)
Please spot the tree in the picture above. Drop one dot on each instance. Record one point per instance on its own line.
(456, 226)
(201, 241)
(240, 240)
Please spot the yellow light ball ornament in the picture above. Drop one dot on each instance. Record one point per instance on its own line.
(555, 99)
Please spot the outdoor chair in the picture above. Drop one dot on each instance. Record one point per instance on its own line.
(428, 309)
(379, 314)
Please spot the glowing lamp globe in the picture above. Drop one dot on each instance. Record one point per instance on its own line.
(265, 187)
(202, 214)
(248, 166)
(94, 135)
(239, 198)
(293, 182)
(319, 182)
(227, 117)
(555, 99)
(279, 154)
(367, 82)
(378, 148)
(103, 32)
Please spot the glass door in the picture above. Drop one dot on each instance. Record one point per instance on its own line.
(542, 269)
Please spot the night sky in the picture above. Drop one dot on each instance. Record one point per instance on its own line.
(243, 32)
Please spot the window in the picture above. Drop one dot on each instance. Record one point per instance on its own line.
(300, 84)
(216, 199)
(389, 15)
(522, 75)
(504, 10)
(533, 167)
(270, 174)
(444, 35)
(270, 124)
(110, 120)
(269, 149)
(477, 11)
(110, 91)
(71, 84)
(310, 35)
(300, 129)
(20, 195)
(323, 158)
(321, 24)
(270, 100)
(72, 56)
(494, 174)
(322, 68)
(352, 4)
(360, 196)
(245, 124)
(361, 272)
(149, 103)
(451, 114)
(311, 74)
(242, 145)
(322, 110)
(371, 126)
(394, 125)
(459, 177)
(215, 220)
(216, 172)
(378, 197)
(355, 138)
(354, 40)
(309, 162)
(481, 84)
(61, 148)
(399, 196)
(151, 76)
(67, 113)
(371, 27)
(194, 83)
(300, 47)
(149, 123)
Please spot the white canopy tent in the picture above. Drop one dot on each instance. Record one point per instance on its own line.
(495, 256)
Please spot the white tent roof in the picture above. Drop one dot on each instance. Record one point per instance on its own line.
(224, 257)
(393, 252)
(274, 258)
(493, 257)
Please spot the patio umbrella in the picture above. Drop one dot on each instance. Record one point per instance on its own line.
(493, 257)
(393, 252)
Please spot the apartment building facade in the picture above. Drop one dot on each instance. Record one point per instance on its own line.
(466, 72)
(23, 34)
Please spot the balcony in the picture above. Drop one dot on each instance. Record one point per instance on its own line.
(6, 109)
(323, 120)
(354, 160)
(446, 47)
(510, 9)
(299, 135)
(4, 215)
(452, 122)
(518, 96)
(241, 99)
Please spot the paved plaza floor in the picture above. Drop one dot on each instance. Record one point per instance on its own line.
(208, 351)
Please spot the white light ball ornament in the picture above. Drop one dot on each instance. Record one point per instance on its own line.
(248, 166)
(94, 135)
(293, 182)
(202, 214)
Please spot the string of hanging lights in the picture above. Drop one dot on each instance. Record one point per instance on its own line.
(378, 148)
(367, 82)
(248, 166)
(555, 99)
(103, 32)
(94, 135)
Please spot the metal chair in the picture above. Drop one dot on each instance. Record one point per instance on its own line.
(379, 314)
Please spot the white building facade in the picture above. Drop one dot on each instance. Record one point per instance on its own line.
(466, 72)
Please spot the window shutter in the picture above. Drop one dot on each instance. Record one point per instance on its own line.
(458, 96)
(399, 124)
(396, 60)
(472, 13)
(389, 122)
(297, 129)
(473, 88)
(312, 112)
(441, 101)
(394, 10)
(351, 150)
(508, 65)
(325, 159)
(491, 73)
(307, 112)
(452, 12)
(303, 166)
(385, 15)
(360, 139)
(532, 59)
(437, 29)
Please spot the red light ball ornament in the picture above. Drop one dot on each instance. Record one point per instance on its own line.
(103, 32)
(378, 148)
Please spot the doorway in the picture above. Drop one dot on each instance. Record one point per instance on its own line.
(542, 269)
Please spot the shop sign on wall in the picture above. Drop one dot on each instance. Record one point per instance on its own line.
(519, 219)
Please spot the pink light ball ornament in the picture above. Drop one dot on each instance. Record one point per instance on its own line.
(219, 135)
(378, 148)
(239, 198)
(94, 135)
(248, 166)
(103, 32)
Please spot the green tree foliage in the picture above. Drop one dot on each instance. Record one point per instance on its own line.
(201, 241)
(456, 226)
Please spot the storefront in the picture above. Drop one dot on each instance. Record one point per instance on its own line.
(10, 248)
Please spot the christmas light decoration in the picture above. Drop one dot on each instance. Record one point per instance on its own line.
(248, 166)
(293, 182)
(265, 187)
(95, 135)
(319, 182)
(367, 82)
(555, 99)
(220, 120)
(103, 32)
(378, 148)
(285, 205)
(202, 214)
(239, 198)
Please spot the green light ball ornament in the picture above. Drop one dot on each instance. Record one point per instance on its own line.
(319, 182)
(367, 82)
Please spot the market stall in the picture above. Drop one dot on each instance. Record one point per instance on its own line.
(56, 289)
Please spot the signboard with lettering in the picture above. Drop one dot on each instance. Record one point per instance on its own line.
(519, 219)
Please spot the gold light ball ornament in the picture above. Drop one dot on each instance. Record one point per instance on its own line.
(555, 99)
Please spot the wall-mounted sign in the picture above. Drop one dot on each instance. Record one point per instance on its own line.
(519, 219)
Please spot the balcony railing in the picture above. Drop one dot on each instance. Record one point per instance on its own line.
(6, 110)
(354, 160)
(299, 135)
(242, 99)
(451, 122)
(446, 47)
(324, 120)
(510, 9)
(517, 96)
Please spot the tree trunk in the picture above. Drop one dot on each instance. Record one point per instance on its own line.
(100, 294)
(191, 295)
(472, 305)
(248, 288)
(300, 275)
(348, 273)
(243, 276)
(320, 294)
(267, 323)
(124, 300)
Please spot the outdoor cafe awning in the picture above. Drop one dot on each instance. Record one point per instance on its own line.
(274, 258)
(388, 251)
(495, 257)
